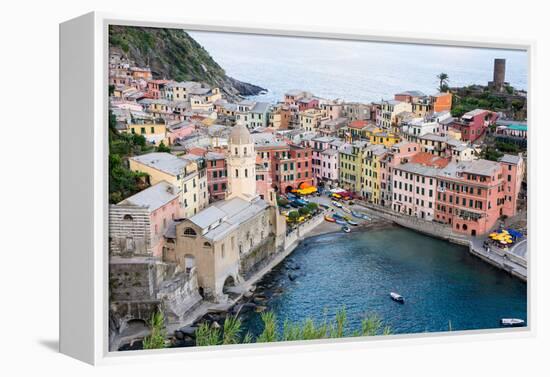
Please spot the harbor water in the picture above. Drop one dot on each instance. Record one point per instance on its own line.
(443, 285)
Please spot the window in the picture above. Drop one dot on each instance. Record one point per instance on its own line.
(189, 232)
(128, 217)
(207, 245)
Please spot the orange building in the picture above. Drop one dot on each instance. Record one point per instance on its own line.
(442, 102)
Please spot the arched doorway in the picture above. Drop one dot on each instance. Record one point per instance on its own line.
(228, 283)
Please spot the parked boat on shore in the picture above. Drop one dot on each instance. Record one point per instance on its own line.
(330, 219)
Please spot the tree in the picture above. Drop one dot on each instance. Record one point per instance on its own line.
(312, 207)
(303, 211)
(443, 82)
(293, 216)
(158, 333)
(163, 148)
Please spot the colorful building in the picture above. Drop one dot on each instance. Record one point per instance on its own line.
(470, 196)
(137, 224)
(473, 124)
(351, 162)
(386, 115)
(371, 173)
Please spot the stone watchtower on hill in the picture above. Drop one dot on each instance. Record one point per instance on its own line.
(499, 75)
(241, 164)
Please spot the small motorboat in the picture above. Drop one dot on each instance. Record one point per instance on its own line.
(356, 214)
(397, 297)
(346, 229)
(512, 322)
(341, 222)
(365, 217)
(346, 209)
(350, 222)
(336, 204)
(337, 215)
(330, 219)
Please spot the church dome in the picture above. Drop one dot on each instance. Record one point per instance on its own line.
(240, 135)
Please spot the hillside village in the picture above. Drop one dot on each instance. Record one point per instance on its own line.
(209, 198)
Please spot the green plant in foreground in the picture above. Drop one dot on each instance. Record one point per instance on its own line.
(158, 333)
(230, 332)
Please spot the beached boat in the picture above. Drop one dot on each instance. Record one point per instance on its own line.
(397, 297)
(512, 322)
(346, 209)
(356, 214)
(341, 222)
(337, 215)
(350, 222)
(365, 217)
(330, 219)
(345, 229)
(336, 204)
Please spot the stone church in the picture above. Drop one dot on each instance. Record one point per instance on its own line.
(228, 241)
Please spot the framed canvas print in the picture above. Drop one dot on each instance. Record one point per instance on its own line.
(227, 188)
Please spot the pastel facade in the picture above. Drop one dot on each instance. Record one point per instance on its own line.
(351, 162)
(473, 124)
(154, 132)
(398, 153)
(216, 170)
(138, 223)
(513, 170)
(386, 116)
(371, 175)
(470, 196)
(182, 173)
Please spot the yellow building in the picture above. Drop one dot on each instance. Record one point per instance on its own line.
(351, 162)
(182, 173)
(384, 138)
(154, 132)
(310, 119)
(370, 174)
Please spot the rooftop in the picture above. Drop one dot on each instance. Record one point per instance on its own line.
(222, 217)
(164, 162)
(478, 167)
(153, 197)
(510, 159)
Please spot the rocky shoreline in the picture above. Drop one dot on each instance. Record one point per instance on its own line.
(256, 300)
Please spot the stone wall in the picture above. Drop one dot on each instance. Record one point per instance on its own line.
(258, 257)
(129, 231)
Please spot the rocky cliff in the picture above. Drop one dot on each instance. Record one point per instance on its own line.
(173, 54)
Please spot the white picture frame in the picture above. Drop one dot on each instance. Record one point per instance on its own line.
(84, 189)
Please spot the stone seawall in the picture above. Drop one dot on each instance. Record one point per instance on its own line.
(504, 260)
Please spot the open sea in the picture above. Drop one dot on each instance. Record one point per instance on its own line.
(353, 70)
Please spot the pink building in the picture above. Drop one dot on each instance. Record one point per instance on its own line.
(414, 185)
(318, 146)
(216, 175)
(264, 182)
(474, 123)
(513, 170)
(137, 224)
(471, 196)
(329, 166)
(396, 154)
(179, 131)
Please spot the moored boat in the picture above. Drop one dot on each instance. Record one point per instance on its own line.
(397, 297)
(330, 219)
(512, 322)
